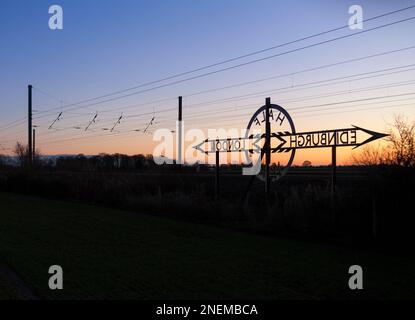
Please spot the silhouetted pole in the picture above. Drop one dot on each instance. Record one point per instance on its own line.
(179, 157)
(29, 122)
(217, 176)
(333, 184)
(34, 146)
(267, 147)
(374, 218)
(333, 170)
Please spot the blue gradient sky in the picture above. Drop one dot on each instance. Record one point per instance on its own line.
(111, 45)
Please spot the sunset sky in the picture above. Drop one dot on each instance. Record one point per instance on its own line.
(110, 46)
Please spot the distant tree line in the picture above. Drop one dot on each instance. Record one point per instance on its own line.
(399, 151)
(104, 162)
(101, 162)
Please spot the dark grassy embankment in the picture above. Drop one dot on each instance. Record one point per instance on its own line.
(107, 253)
(368, 201)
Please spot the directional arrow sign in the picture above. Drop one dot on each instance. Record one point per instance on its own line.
(327, 138)
(286, 141)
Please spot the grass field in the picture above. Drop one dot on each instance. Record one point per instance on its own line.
(7, 291)
(110, 254)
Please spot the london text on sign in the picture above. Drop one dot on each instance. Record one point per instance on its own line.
(231, 145)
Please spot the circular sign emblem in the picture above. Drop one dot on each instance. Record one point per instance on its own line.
(280, 123)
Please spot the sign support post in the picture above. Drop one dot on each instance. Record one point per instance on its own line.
(333, 170)
(333, 184)
(29, 124)
(179, 155)
(34, 147)
(217, 177)
(267, 148)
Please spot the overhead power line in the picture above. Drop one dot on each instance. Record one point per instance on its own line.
(92, 121)
(250, 82)
(249, 54)
(233, 118)
(67, 107)
(13, 124)
(54, 121)
(369, 88)
(308, 85)
(231, 67)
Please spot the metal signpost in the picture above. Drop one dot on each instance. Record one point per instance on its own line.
(284, 141)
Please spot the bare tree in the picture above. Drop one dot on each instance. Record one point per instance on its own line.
(22, 153)
(401, 149)
(371, 156)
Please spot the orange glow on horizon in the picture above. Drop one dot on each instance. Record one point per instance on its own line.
(133, 146)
